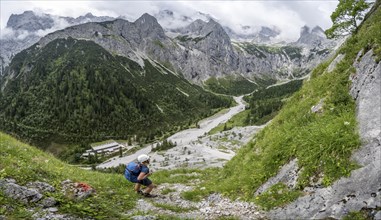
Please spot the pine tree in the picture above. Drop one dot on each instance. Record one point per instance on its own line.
(120, 152)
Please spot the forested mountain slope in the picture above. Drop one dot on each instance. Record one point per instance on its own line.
(75, 91)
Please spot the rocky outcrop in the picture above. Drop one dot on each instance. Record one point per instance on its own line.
(21, 193)
(35, 196)
(288, 175)
(366, 91)
(362, 189)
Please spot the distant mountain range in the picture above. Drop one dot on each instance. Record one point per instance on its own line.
(203, 42)
(172, 21)
(23, 30)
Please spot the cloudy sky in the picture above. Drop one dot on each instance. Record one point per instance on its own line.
(288, 15)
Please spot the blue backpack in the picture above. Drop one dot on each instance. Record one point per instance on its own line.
(134, 168)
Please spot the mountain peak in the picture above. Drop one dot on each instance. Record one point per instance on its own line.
(304, 30)
(89, 15)
(149, 26)
(30, 21)
(212, 21)
(317, 29)
(311, 37)
(146, 18)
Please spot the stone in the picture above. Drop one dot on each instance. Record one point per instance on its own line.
(334, 63)
(53, 209)
(48, 202)
(377, 216)
(41, 186)
(78, 190)
(288, 175)
(147, 217)
(20, 193)
(318, 108)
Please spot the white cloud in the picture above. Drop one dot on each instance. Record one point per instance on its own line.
(289, 16)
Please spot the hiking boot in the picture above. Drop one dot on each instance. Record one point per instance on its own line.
(149, 195)
(140, 192)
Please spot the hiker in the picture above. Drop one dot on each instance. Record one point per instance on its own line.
(138, 173)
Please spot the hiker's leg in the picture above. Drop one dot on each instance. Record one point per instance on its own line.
(149, 188)
(137, 187)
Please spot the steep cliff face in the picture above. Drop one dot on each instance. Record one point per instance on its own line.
(207, 49)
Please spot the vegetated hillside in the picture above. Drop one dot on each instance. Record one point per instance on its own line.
(23, 163)
(35, 185)
(74, 91)
(235, 85)
(264, 104)
(321, 140)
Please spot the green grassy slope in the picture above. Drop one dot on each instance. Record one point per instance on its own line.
(322, 142)
(114, 195)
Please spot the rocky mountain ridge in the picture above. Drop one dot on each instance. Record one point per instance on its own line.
(173, 21)
(198, 51)
(32, 22)
(203, 49)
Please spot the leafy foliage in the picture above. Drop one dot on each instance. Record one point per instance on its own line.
(74, 91)
(346, 16)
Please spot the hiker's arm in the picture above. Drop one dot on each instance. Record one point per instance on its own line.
(143, 175)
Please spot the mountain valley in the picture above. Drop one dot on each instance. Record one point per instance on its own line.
(238, 125)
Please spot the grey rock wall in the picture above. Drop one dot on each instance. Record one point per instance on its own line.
(362, 189)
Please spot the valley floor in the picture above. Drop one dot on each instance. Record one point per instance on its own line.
(194, 148)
